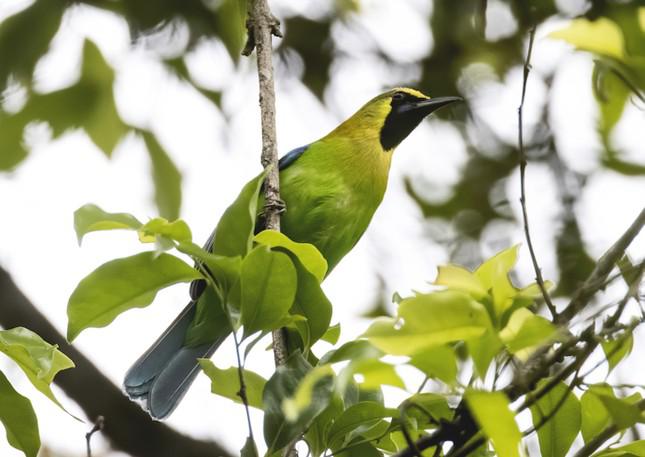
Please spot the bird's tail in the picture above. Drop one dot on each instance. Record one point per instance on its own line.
(162, 375)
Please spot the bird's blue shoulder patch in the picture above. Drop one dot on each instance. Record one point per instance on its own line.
(291, 156)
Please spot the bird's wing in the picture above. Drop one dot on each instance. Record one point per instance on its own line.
(291, 156)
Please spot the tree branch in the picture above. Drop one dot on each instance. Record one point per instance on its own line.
(525, 216)
(128, 427)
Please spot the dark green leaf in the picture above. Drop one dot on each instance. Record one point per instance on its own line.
(559, 432)
(492, 412)
(353, 421)
(317, 432)
(249, 449)
(359, 448)
(268, 287)
(428, 408)
(122, 284)
(303, 398)
(231, 19)
(166, 178)
(39, 360)
(227, 383)
(226, 270)
(234, 233)
(278, 431)
(19, 419)
(90, 218)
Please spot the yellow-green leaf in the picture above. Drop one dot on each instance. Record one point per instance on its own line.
(602, 36)
(458, 278)
(493, 414)
(90, 218)
(19, 419)
(227, 383)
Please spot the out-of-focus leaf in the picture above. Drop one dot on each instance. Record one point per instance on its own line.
(19, 419)
(623, 413)
(635, 449)
(231, 19)
(176, 230)
(594, 415)
(493, 413)
(574, 263)
(438, 362)
(303, 397)
(559, 432)
(316, 434)
(122, 284)
(34, 27)
(90, 218)
(483, 350)
(375, 373)
(278, 431)
(428, 408)
(332, 334)
(458, 278)
(227, 383)
(601, 36)
(39, 360)
(611, 94)
(525, 331)
(268, 282)
(166, 178)
(352, 350)
(307, 254)
(249, 449)
(493, 275)
(353, 421)
(234, 233)
(455, 316)
(617, 349)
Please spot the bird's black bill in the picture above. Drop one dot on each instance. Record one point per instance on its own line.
(406, 114)
(429, 105)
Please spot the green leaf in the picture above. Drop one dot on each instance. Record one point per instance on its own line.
(483, 350)
(227, 383)
(159, 227)
(312, 303)
(617, 349)
(293, 407)
(307, 254)
(234, 232)
(601, 36)
(455, 316)
(268, 288)
(332, 334)
(122, 284)
(249, 449)
(166, 178)
(359, 448)
(594, 415)
(429, 408)
(438, 362)
(458, 278)
(352, 350)
(525, 331)
(635, 449)
(316, 434)
(559, 432)
(226, 270)
(353, 421)
(39, 360)
(493, 414)
(231, 19)
(375, 374)
(493, 275)
(90, 218)
(623, 413)
(278, 431)
(611, 94)
(19, 419)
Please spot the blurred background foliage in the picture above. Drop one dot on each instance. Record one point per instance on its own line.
(473, 41)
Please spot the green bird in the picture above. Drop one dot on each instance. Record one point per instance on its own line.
(331, 189)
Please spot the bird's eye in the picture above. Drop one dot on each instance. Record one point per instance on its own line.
(398, 96)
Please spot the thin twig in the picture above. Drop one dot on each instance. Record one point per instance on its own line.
(242, 392)
(98, 426)
(523, 162)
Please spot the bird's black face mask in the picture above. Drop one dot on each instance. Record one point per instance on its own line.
(407, 112)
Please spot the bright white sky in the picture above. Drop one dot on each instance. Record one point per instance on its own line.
(216, 158)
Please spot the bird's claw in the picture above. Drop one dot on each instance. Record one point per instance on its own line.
(277, 205)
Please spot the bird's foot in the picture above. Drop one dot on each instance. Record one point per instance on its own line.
(276, 205)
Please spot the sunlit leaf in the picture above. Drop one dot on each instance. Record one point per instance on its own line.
(375, 373)
(623, 413)
(39, 360)
(90, 218)
(122, 284)
(332, 334)
(493, 275)
(562, 409)
(438, 362)
(458, 278)
(268, 287)
(594, 415)
(159, 227)
(234, 232)
(601, 36)
(526, 330)
(166, 178)
(492, 412)
(307, 253)
(483, 350)
(635, 449)
(429, 320)
(226, 382)
(19, 419)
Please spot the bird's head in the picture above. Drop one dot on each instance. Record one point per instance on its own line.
(394, 114)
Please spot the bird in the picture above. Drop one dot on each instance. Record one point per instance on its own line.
(331, 189)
